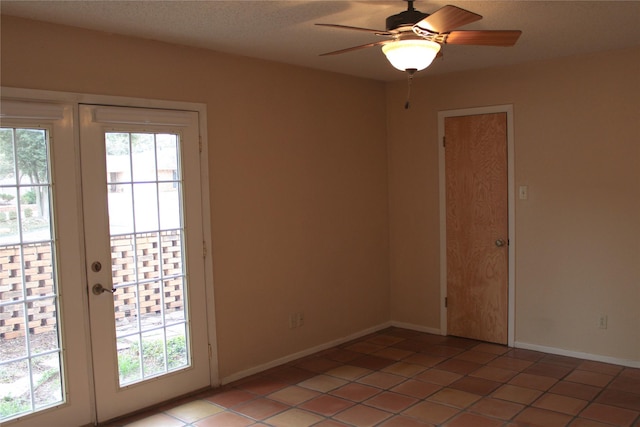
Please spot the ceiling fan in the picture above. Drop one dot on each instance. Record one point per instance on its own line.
(416, 37)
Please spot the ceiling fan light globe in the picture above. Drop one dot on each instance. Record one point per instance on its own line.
(411, 54)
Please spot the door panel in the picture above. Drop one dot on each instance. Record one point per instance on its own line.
(44, 360)
(477, 226)
(144, 246)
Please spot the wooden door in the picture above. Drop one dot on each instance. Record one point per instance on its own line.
(476, 176)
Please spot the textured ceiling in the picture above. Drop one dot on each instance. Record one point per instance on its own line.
(284, 31)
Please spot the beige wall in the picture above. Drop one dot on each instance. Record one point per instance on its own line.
(577, 147)
(311, 172)
(298, 167)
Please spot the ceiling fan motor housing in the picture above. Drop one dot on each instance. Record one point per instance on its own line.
(406, 18)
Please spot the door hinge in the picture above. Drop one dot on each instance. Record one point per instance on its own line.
(444, 141)
(210, 351)
(204, 249)
(446, 302)
(200, 143)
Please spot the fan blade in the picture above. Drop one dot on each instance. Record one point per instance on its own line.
(484, 37)
(349, 49)
(447, 18)
(368, 30)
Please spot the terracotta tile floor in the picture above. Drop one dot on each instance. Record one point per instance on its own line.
(402, 378)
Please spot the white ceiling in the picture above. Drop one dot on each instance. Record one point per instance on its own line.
(284, 31)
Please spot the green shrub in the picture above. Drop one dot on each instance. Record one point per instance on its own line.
(29, 198)
(10, 406)
(128, 366)
(152, 358)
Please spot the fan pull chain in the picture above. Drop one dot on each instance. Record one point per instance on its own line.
(410, 73)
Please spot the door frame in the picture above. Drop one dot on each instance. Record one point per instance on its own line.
(442, 115)
(75, 99)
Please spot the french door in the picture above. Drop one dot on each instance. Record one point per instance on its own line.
(102, 275)
(144, 254)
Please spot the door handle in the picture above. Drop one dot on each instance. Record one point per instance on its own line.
(499, 243)
(98, 289)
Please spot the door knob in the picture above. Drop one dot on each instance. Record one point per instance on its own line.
(98, 289)
(499, 243)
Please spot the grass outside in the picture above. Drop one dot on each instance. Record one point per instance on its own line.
(15, 383)
(47, 388)
(153, 360)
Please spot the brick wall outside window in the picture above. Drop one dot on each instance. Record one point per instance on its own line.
(39, 281)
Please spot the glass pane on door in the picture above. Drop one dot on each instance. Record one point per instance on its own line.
(144, 188)
(30, 347)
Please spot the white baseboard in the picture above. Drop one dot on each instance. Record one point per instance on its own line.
(303, 353)
(578, 354)
(419, 328)
(414, 327)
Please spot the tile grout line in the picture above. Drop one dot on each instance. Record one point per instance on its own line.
(456, 346)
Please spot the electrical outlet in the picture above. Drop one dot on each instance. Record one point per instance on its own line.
(602, 321)
(299, 319)
(523, 192)
(293, 321)
(296, 319)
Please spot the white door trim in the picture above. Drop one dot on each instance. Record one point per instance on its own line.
(75, 99)
(508, 109)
